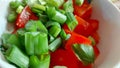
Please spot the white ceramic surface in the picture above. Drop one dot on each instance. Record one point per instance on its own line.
(109, 31)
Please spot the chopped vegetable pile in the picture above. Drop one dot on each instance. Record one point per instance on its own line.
(51, 34)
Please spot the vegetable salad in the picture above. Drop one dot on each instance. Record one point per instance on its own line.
(51, 34)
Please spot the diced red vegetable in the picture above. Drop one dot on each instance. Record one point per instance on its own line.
(65, 27)
(95, 35)
(96, 51)
(86, 28)
(94, 23)
(83, 27)
(63, 57)
(24, 16)
(83, 11)
(76, 38)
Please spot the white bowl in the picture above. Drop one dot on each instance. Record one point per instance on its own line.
(109, 17)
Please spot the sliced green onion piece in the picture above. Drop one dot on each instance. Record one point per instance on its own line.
(44, 61)
(13, 40)
(54, 31)
(68, 6)
(4, 39)
(11, 17)
(14, 4)
(56, 15)
(41, 43)
(51, 38)
(29, 42)
(25, 2)
(39, 7)
(52, 23)
(43, 18)
(61, 11)
(42, 2)
(55, 44)
(31, 2)
(21, 37)
(36, 43)
(59, 17)
(33, 26)
(34, 10)
(15, 56)
(51, 12)
(85, 53)
(71, 21)
(34, 62)
(56, 3)
(79, 2)
(41, 27)
(21, 32)
(63, 34)
(92, 39)
(19, 9)
(68, 36)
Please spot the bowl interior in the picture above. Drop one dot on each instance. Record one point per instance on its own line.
(109, 17)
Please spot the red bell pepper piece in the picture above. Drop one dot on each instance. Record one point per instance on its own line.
(86, 27)
(63, 57)
(24, 16)
(76, 38)
(96, 51)
(94, 23)
(83, 11)
(95, 35)
(83, 27)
